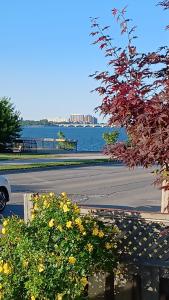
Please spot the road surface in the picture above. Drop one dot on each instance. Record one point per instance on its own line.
(99, 185)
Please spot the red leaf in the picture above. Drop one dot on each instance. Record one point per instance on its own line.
(114, 11)
(124, 10)
(103, 45)
(94, 33)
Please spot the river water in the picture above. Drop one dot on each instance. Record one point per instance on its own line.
(89, 139)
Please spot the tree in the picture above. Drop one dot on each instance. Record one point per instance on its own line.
(111, 137)
(135, 95)
(64, 143)
(61, 135)
(10, 122)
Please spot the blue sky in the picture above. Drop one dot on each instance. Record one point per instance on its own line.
(46, 53)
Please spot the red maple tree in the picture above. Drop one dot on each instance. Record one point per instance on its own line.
(135, 95)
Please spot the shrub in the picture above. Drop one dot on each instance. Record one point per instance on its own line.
(52, 256)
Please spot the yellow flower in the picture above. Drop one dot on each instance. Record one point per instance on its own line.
(51, 194)
(101, 234)
(33, 298)
(95, 231)
(5, 223)
(65, 208)
(41, 268)
(1, 266)
(69, 224)
(72, 260)
(108, 246)
(81, 228)
(76, 209)
(32, 216)
(1, 286)
(3, 230)
(59, 296)
(64, 194)
(59, 227)
(61, 204)
(78, 221)
(25, 263)
(51, 223)
(84, 281)
(46, 204)
(7, 269)
(36, 207)
(89, 247)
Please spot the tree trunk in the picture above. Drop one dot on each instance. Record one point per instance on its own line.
(165, 199)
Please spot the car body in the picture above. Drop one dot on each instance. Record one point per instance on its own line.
(5, 192)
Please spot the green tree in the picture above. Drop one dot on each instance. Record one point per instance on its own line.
(60, 135)
(10, 122)
(111, 137)
(65, 144)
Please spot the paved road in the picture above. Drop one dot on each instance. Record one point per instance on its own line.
(100, 185)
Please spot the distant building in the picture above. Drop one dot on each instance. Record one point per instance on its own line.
(82, 119)
(75, 118)
(90, 119)
(57, 120)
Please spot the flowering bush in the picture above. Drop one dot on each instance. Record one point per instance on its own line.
(52, 256)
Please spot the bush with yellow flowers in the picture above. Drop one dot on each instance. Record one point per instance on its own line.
(53, 255)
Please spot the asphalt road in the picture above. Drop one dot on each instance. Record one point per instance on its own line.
(99, 185)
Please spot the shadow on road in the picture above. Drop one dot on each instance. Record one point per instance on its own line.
(146, 208)
(13, 209)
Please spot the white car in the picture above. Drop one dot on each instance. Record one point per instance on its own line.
(5, 192)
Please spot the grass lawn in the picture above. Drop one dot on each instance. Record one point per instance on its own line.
(52, 164)
(11, 156)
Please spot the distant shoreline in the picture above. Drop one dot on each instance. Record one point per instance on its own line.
(67, 125)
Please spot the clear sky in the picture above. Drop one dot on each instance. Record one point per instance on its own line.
(46, 53)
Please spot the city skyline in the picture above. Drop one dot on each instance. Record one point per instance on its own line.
(47, 56)
(73, 118)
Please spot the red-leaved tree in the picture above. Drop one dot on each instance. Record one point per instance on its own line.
(135, 95)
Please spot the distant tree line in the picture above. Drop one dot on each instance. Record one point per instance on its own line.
(34, 122)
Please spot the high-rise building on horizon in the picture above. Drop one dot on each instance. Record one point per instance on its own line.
(87, 119)
(76, 118)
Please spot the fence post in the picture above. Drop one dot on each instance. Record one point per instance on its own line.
(28, 205)
(101, 286)
(150, 283)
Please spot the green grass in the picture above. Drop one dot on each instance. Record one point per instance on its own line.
(52, 164)
(12, 156)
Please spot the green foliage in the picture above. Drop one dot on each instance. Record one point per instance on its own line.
(65, 144)
(129, 141)
(61, 135)
(52, 256)
(43, 122)
(10, 122)
(111, 137)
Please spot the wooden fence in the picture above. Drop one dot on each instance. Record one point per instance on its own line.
(146, 238)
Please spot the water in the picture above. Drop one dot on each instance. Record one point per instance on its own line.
(89, 139)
